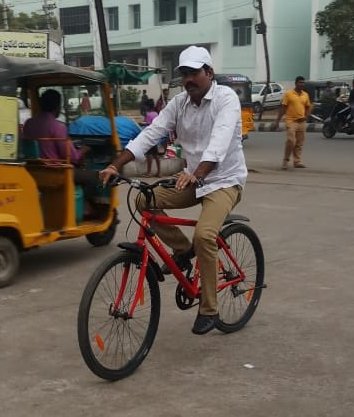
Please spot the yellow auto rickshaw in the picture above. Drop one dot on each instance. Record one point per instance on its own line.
(241, 84)
(39, 201)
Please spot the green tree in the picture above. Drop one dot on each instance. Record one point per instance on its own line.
(23, 21)
(129, 97)
(336, 22)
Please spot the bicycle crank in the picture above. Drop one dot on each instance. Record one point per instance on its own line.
(182, 300)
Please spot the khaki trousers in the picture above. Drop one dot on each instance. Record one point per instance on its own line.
(295, 138)
(215, 207)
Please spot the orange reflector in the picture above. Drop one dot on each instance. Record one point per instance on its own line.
(99, 342)
(249, 294)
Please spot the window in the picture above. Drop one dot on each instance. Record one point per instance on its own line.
(74, 20)
(276, 88)
(241, 29)
(167, 10)
(136, 16)
(79, 60)
(343, 59)
(183, 15)
(112, 19)
(195, 11)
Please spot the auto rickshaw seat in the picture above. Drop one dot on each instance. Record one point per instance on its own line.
(30, 149)
(31, 152)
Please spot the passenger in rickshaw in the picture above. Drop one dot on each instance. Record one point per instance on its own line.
(45, 126)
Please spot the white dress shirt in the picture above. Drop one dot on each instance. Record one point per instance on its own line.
(210, 132)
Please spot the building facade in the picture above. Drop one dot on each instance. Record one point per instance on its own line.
(154, 32)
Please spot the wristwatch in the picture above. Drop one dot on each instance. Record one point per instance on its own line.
(200, 182)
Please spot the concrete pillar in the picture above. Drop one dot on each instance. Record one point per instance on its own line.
(154, 60)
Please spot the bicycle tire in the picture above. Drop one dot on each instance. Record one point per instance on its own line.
(133, 337)
(237, 304)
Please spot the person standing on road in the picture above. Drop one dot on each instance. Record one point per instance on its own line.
(296, 107)
(143, 103)
(207, 119)
(152, 154)
(162, 100)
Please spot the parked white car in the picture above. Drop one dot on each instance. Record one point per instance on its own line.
(274, 97)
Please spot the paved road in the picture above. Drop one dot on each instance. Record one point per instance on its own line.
(300, 340)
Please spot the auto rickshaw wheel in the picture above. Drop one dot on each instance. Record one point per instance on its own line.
(104, 238)
(9, 261)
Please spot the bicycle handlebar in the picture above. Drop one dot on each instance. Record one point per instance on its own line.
(144, 187)
(141, 185)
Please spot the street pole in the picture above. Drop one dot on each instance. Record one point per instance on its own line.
(103, 33)
(4, 15)
(261, 29)
(47, 9)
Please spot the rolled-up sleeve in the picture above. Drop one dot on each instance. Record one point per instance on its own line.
(152, 134)
(228, 116)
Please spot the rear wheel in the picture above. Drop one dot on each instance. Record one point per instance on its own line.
(237, 303)
(328, 131)
(105, 237)
(9, 261)
(113, 344)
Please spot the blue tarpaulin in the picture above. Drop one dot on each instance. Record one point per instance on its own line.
(127, 128)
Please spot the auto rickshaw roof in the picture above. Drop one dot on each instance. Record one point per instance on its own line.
(220, 78)
(21, 69)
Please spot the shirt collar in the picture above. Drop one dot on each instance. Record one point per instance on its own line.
(208, 96)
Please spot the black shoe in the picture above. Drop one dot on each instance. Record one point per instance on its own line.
(183, 261)
(203, 324)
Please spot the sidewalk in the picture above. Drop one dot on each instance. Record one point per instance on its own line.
(269, 117)
(267, 126)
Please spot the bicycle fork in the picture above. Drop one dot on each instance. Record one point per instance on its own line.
(116, 309)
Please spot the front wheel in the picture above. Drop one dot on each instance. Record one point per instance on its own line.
(9, 261)
(328, 130)
(112, 343)
(237, 303)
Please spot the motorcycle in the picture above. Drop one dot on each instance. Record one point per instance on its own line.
(339, 120)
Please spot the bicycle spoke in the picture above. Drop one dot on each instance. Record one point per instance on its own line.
(116, 338)
(238, 295)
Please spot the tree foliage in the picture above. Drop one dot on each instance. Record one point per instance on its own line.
(23, 21)
(336, 22)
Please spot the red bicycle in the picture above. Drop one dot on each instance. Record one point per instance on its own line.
(120, 306)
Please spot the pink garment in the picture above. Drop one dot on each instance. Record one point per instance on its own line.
(45, 125)
(150, 116)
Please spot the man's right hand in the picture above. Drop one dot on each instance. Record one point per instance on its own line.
(107, 173)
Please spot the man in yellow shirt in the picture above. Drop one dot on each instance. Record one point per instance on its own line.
(296, 106)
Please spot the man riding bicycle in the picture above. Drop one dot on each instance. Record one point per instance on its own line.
(207, 120)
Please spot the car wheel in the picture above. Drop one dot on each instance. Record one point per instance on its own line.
(257, 107)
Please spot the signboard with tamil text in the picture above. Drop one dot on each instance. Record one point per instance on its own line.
(24, 45)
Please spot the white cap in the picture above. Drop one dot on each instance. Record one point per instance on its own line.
(194, 57)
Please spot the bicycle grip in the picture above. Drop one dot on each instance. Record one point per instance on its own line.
(168, 183)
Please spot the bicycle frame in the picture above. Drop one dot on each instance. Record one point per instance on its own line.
(190, 286)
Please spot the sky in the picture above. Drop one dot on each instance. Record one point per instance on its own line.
(27, 6)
